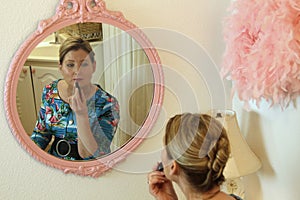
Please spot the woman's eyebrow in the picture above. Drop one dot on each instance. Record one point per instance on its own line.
(69, 60)
(81, 61)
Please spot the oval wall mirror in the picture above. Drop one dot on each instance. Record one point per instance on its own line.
(128, 69)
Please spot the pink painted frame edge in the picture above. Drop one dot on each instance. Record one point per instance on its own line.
(69, 12)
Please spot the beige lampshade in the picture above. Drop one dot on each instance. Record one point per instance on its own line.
(242, 161)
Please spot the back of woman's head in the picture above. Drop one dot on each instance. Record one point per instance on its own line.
(75, 43)
(200, 146)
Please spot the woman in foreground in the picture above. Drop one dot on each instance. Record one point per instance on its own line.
(196, 149)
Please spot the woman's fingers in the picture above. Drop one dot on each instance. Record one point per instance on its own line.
(76, 102)
(77, 95)
(78, 90)
(156, 177)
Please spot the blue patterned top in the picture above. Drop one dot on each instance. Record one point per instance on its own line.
(56, 118)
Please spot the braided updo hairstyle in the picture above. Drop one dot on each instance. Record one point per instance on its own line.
(200, 146)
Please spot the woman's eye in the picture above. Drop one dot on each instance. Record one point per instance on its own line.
(70, 65)
(84, 64)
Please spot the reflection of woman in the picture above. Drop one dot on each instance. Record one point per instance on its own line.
(80, 118)
(196, 151)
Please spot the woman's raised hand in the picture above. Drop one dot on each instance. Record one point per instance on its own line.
(161, 187)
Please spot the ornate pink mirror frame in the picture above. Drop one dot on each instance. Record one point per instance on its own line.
(70, 12)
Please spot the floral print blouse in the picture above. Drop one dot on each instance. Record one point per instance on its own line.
(57, 119)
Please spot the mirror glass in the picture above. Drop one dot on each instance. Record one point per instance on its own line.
(127, 69)
(122, 69)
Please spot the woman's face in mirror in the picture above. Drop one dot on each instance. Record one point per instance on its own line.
(77, 66)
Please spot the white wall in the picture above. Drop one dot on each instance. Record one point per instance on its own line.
(273, 134)
(22, 177)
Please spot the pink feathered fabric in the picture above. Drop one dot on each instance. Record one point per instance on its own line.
(262, 55)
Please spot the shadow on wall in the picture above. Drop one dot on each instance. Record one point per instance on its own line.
(250, 123)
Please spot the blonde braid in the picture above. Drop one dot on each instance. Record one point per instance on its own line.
(200, 146)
